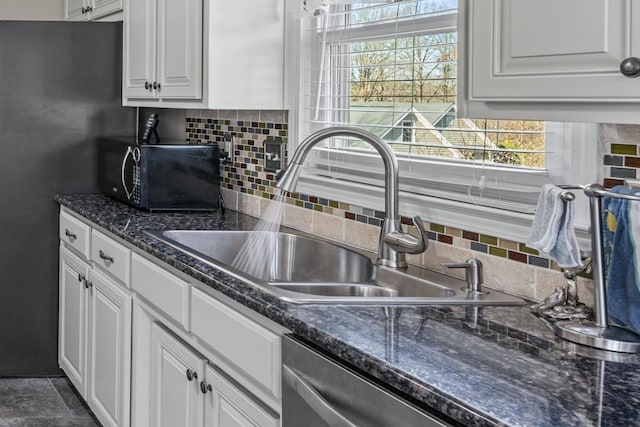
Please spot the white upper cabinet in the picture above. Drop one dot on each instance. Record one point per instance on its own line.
(101, 8)
(246, 54)
(206, 54)
(87, 10)
(139, 52)
(75, 10)
(179, 49)
(548, 60)
(162, 50)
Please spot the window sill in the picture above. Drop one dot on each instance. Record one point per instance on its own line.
(514, 226)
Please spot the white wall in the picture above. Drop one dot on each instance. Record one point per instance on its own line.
(32, 10)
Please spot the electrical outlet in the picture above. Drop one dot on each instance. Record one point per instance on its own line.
(273, 155)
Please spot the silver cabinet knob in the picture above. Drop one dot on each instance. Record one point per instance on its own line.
(191, 375)
(205, 387)
(630, 67)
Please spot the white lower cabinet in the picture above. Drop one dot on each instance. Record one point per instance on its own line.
(227, 406)
(94, 338)
(109, 351)
(176, 372)
(126, 341)
(180, 378)
(94, 347)
(186, 391)
(72, 324)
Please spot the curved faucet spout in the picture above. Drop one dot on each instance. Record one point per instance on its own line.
(390, 252)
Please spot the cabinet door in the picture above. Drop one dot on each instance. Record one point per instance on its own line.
(547, 50)
(180, 49)
(74, 10)
(176, 370)
(247, 71)
(139, 48)
(227, 406)
(109, 352)
(72, 336)
(105, 7)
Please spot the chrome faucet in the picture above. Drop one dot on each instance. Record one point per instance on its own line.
(394, 243)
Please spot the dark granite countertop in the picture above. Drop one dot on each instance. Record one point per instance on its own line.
(497, 366)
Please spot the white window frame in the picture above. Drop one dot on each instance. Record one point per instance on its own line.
(573, 158)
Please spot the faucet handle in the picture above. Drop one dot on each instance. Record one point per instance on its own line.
(424, 237)
(474, 273)
(404, 242)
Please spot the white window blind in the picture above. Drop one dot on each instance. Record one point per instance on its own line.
(390, 67)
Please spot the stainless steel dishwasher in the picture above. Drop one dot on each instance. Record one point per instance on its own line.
(318, 392)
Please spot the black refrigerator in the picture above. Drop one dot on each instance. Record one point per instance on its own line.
(60, 91)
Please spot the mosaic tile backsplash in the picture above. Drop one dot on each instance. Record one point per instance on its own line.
(511, 266)
(621, 147)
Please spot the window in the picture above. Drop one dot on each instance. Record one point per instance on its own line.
(390, 67)
(408, 131)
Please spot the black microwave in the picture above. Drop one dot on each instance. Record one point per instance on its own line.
(160, 176)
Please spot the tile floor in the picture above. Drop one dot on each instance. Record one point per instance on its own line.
(42, 402)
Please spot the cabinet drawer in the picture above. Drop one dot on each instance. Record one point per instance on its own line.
(244, 343)
(75, 234)
(167, 292)
(111, 256)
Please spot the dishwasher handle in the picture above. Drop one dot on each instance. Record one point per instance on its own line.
(314, 399)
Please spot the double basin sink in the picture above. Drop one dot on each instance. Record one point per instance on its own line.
(305, 270)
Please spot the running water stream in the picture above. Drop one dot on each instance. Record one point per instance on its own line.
(258, 254)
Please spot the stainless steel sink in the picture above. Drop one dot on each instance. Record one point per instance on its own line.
(338, 289)
(290, 258)
(307, 270)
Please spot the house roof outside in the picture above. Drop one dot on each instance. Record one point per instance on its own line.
(385, 120)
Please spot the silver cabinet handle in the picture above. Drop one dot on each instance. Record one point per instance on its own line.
(314, 399)
(69, 234)
(630, 67)
(105, 256)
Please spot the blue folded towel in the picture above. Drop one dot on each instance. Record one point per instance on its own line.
(552, 229)
(621, 233)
